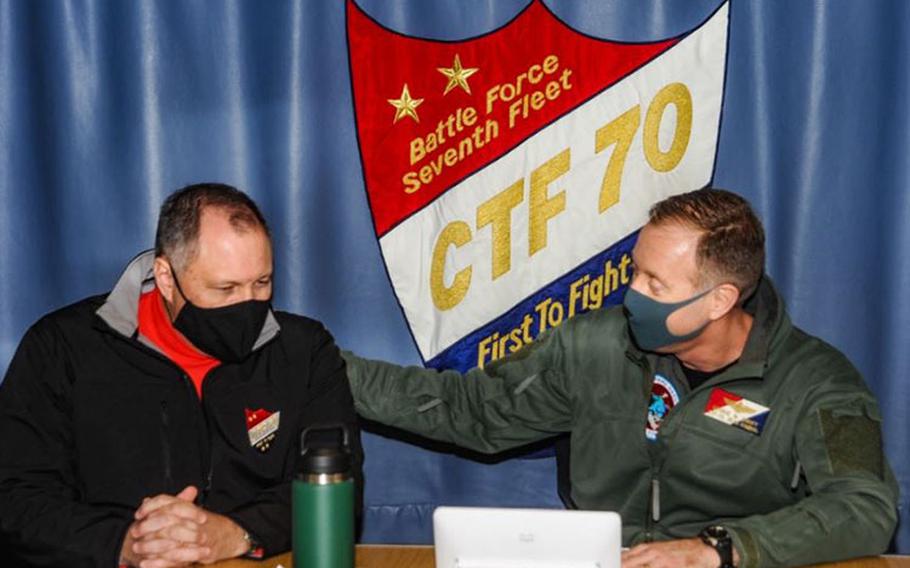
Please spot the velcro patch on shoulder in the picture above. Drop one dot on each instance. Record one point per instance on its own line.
(853, 442)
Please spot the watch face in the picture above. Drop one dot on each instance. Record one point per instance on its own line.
(717, 531)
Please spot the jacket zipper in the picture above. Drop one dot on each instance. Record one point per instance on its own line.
(210, 447)
(166, 447)
(794, 483)
(652, 514)
(654, 501)
(205, 443)
(206, 449)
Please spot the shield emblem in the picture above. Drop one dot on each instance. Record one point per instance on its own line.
(507, 174)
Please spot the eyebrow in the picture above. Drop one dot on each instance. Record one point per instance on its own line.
(649, 273)
(219, 283)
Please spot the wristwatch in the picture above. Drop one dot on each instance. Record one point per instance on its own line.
(255, 550)
(719, 539)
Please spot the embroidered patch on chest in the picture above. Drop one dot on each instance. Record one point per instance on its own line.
(664, 397)
(735, 410)
(261, 426)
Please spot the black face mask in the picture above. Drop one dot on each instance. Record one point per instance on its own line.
(227, 333)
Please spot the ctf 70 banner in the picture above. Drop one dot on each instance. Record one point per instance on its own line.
(507, 174)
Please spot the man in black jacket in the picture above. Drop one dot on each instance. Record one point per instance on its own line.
(159, 425)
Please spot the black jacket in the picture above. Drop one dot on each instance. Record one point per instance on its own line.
(93, 418)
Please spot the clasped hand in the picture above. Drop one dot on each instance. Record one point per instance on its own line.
(170, 530)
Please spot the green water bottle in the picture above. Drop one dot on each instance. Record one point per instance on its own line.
(323, 502)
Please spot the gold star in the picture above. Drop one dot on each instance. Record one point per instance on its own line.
(405, 106)
(457, 75)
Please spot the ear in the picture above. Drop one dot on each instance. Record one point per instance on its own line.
(723, 299)
(164, 279)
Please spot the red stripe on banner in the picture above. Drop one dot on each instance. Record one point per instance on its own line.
(521, 77)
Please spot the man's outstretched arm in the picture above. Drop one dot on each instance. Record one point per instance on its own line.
(521, 399)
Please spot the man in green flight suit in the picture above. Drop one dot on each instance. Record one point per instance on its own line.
(722, 434)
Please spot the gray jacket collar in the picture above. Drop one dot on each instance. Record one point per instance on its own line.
(120, 310)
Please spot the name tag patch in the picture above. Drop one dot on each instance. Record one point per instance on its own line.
(734, 410)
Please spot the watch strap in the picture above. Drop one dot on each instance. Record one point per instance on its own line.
(719, 539)
(255, 550)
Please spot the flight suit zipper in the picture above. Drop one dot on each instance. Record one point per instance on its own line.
(666, 436)
(652, 513)
(655, 499)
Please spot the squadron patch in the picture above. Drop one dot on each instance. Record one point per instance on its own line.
(735, 410)
(664, 397)
(261, 426)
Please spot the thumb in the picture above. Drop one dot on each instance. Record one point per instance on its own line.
(188, 494)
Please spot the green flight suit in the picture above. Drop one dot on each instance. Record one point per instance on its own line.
(812, 486)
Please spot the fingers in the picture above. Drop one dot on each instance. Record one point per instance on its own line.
(155, 546)
(162, 525)
(185, 532)
(639, 556)
(168, 531)
(684, 553)
(183, 510)
(175, 509)
(189, 493)
(151, 504)
(176, 557)
(162, 550)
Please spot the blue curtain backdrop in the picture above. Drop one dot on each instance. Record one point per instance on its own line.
(107, 106)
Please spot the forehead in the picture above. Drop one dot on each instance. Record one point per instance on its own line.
(667, 249)
(225, 251)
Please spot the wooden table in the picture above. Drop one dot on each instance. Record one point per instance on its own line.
(367, 556)
(398, 556)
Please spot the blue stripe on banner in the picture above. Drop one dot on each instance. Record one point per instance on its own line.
(597, 282)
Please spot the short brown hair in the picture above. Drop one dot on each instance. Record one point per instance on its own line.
(178, 221)
(732, 244)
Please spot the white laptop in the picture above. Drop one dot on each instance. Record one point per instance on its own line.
(478, 537)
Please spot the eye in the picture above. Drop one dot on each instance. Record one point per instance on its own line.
(264, 282)
(655, 285)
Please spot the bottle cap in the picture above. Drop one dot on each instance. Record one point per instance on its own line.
(325, 454)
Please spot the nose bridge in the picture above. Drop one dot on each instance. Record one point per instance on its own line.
(247, 292)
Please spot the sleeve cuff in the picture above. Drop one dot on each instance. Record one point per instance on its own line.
(746, 548)
(266, 539)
